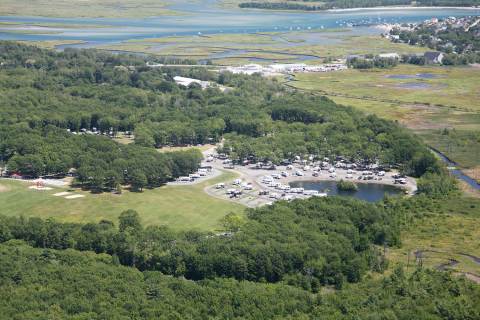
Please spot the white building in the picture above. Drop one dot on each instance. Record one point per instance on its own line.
(188, 81)
(389, 55)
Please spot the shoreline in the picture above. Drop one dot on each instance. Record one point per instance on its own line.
(393, 8)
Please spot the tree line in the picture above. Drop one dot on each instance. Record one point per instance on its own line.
(335, 4)
(371, 61)
(68, 284)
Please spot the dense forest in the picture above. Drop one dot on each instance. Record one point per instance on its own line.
(52, 284)
(345, 4)
(59, 111)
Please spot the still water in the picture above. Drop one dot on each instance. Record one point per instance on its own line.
(207, 17)
(370, 192)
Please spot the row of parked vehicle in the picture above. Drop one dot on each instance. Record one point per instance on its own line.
(235, 192)
(287, 191)
(193, 176)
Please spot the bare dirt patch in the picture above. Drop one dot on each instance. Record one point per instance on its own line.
(468, 190)
(4, 188)
(473, 172)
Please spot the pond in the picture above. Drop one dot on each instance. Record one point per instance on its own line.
(371, 192)
(412, 76)
(414, 85)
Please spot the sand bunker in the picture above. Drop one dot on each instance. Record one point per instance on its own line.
(75, 196)
(40, 188)
(62, 194)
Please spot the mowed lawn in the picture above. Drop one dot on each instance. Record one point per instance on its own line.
(179, 207)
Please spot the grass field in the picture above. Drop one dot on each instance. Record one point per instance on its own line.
(202, 148)
(84, 8)
(124, 139)
(451, 99)
(449, 233)
(180, 207)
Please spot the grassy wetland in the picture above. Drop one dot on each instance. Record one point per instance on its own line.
(225, 49)
(84, 8)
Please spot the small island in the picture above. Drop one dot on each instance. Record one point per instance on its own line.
(343, 185)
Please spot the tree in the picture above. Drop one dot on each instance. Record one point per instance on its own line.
(129, 220)
(113, 179)
(233, 222)
(29, 165)
(138, 180)
(97, 180)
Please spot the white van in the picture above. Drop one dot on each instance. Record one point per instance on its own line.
(248, 187)
(299, 173)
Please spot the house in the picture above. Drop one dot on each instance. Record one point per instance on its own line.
(433, 57)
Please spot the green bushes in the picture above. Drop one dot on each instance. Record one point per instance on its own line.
(437, 185)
